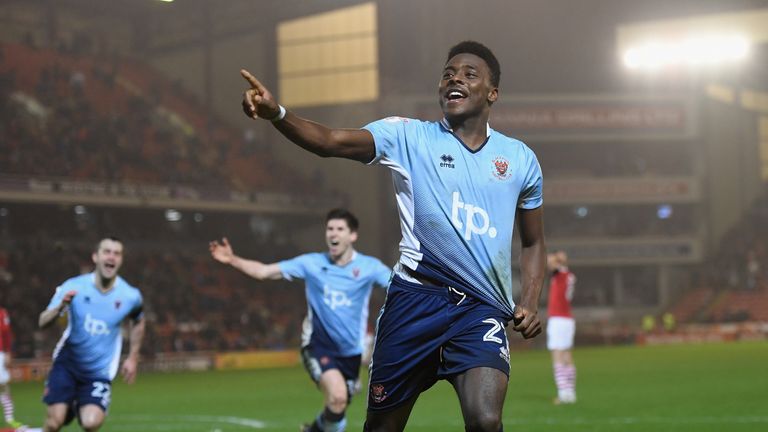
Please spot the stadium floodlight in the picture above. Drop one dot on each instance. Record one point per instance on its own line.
(172, 215)
(664, 211)
(692, 51)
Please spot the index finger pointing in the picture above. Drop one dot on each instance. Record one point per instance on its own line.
(252, 80)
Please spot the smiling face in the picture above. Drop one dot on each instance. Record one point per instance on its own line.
(108, 258)
(339, 238)
(465, 88)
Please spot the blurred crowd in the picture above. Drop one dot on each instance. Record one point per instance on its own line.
(87, 118)
(733, 285)
(102, 118)
(192, 303)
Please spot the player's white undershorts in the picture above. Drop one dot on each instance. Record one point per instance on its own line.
(560, 331)
(5, 376)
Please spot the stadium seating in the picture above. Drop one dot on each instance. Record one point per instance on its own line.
(734, 283)
(117, 119)
(192, 302)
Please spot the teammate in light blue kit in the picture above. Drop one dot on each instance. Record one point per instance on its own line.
(460, 187)
(87, 356)
(338, 288)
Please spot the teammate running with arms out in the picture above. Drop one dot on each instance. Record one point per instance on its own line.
(460, 188)
(338, 289)
(6, 340)
(561, 327)
(87, 356)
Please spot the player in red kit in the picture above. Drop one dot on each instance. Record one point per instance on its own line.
(561, 326)
(5, 363)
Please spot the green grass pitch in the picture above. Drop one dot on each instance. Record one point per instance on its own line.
(709, 387)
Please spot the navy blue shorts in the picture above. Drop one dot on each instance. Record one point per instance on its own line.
(426, 333)
(65, 386)
(317, 361)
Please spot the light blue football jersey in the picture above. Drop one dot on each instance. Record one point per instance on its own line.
(457, 206)
(92, 341)
(337, 299)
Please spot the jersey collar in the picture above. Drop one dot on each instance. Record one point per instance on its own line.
(94, 279)
(447, 126)
(354, 256)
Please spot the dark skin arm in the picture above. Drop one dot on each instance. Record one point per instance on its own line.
(355, 144)
(533, 259)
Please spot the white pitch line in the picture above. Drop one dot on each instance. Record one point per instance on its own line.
(238, 421)
(196, 420)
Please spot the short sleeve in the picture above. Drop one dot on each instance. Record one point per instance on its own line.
(382, 274)
(390, 138)
(295, 267)
(531, 193)
(137, 312)
(58, 296)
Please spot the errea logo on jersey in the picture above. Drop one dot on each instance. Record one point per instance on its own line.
(472, 214)
(447, 161)
(95, 326)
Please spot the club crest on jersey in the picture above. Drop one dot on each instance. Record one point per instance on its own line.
(447, 161)
(356, 272)
(500, 168)
(377, 393)
(117, 304)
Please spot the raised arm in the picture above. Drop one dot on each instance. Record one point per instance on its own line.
(356, 144)
(223, 253)
(48, 316)
(532, 270)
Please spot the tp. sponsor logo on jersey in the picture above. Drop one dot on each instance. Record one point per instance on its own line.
(476, 219)
(500, 168)
(94, 326)
(447, 161)
(335, 298)
(377, 393)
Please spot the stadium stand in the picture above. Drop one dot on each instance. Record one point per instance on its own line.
(734, 284)
(192, 302)
(94, 113)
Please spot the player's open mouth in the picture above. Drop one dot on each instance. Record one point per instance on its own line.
(334, 242)
(455, 95)
(109, 266)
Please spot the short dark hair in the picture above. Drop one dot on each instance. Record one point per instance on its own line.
(109, 237)
(482, 51)
(340, 213)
